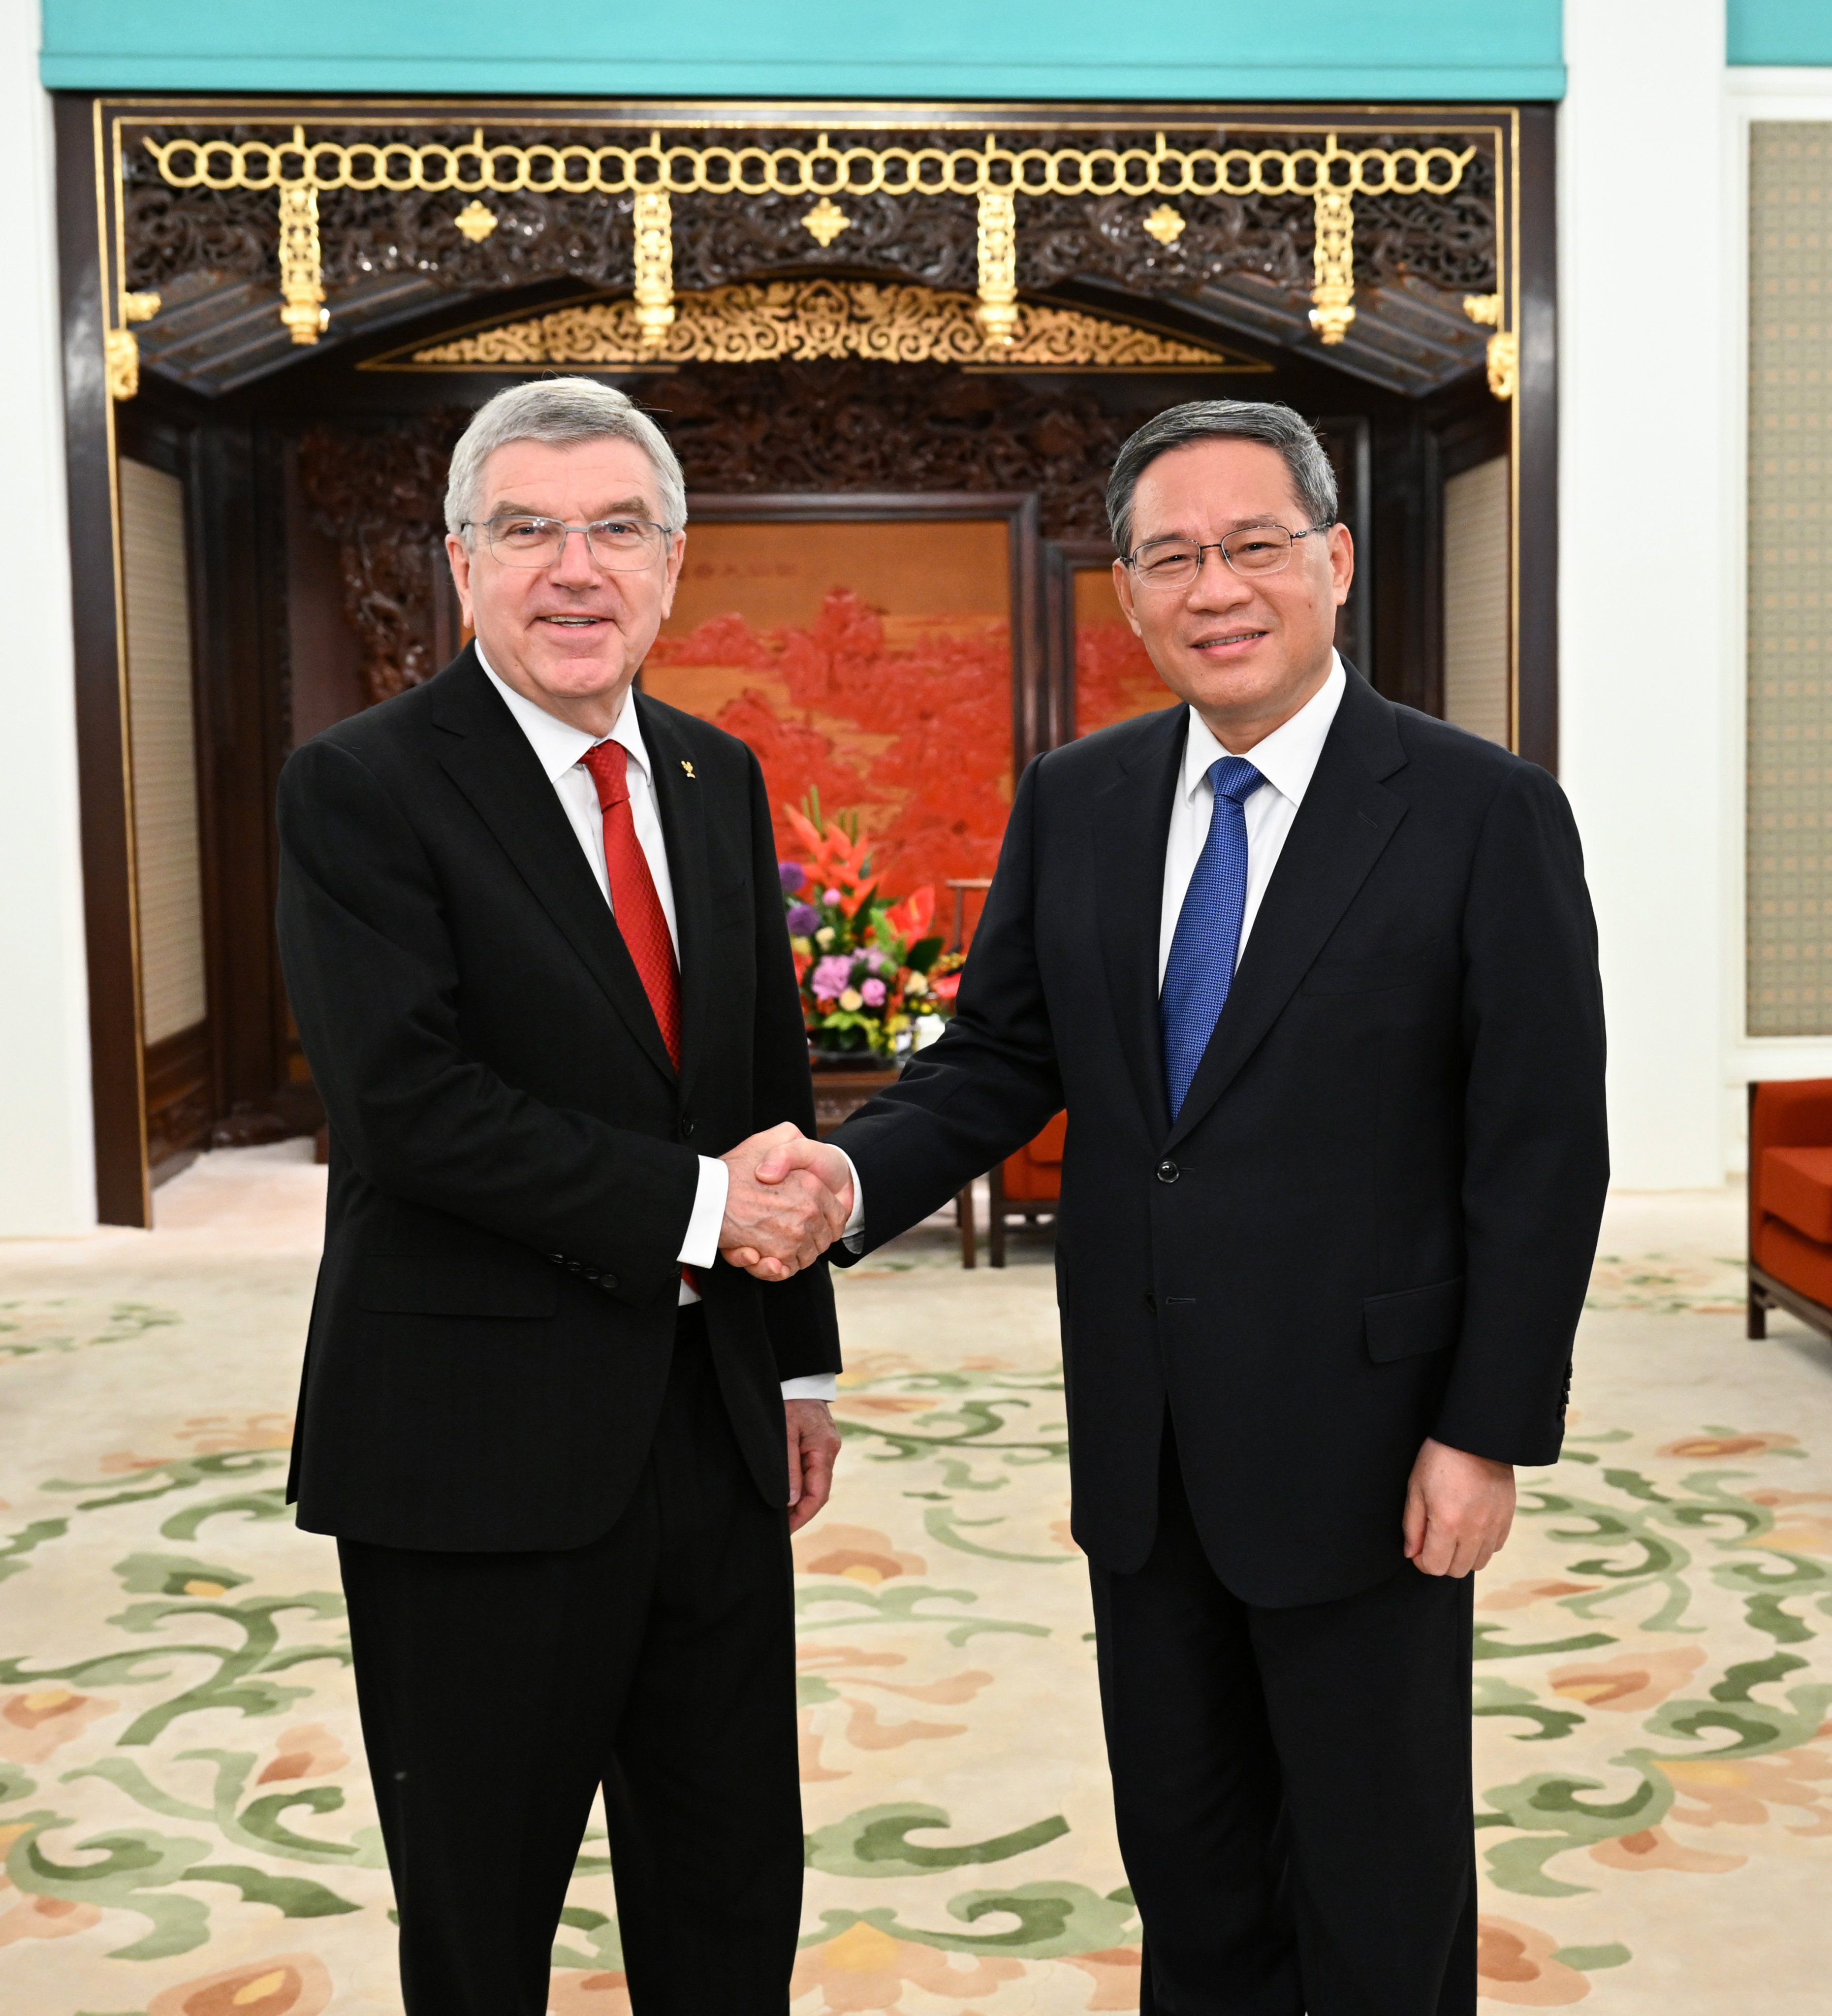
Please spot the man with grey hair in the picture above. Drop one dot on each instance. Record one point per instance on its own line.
(532, 928)
(1316, 977)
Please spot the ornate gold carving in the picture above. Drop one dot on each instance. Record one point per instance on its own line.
(121, 358)
(825, 221)
(797, 319)
(1332, 176)
(139, 307)
(1484, 308)
(1504, 363)
(476, 221)
(302, 285)
(997, 312)
(653, 222)
(1165, 223)
(679, 168)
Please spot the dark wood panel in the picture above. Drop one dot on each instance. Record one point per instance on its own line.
(123, 1194)
(177, 1099)
(1536, 443)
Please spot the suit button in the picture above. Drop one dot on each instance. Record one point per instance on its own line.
(1151, 1304)
(687, 1129)
(607, 1282)
(1168, 1172)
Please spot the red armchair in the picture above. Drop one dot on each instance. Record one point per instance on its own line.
(1790, 1202)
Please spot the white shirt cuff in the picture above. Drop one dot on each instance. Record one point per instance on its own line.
(853, 1237)
(813, 1386)
(700, 1247)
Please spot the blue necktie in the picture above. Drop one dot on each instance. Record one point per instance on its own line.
(1201, 965)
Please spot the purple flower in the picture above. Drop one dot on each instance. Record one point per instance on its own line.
(875, 962)
(832, 976)
(830, 896)
(873, 990)
(804, 919)
(791, 877)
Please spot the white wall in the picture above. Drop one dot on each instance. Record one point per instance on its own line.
(1650, 524)
(47, 1161)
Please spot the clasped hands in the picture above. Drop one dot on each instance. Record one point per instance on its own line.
(788, 1199)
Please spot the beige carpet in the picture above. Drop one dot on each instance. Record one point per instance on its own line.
(188, 1830)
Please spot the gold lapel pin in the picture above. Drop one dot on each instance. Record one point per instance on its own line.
(689, 768)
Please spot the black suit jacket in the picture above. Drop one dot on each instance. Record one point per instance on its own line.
(513, 1159)
(1373, 1219)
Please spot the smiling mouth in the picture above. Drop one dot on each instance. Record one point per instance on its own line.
(573, 622)
(1229, 639)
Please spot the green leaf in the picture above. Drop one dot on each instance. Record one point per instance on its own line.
(923, 954)
(292, 1896)
(1590, 1959)
(19, 1544)
(176, 1575)
(1489, 1647)
(875, 1841)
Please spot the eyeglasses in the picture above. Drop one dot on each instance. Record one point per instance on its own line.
(1254, 550)
(620, 545)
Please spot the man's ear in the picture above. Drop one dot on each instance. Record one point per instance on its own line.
(1122, 588)
(458, 554)
(677, 552)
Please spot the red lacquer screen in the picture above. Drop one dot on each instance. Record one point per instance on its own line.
(869, 661)
(1114, 680)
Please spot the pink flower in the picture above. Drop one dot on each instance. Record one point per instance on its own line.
(873, 990)
(833, 975)
(830, 896)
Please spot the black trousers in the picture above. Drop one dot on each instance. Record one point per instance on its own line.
(1292, 1787)
(499, 1691)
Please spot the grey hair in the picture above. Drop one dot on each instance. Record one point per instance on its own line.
(564, 411)
(1312, 477)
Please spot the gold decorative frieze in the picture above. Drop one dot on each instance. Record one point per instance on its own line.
(997, 314)
(121, 358)
(1484, 308)
(476, 221)
(302, 285)
(825, 221)
(654, 171)
(796, 320)
(1504, 363)
(653, 222)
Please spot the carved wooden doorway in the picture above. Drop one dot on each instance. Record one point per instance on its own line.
(949, 352)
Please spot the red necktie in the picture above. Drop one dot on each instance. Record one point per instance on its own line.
(632, 892)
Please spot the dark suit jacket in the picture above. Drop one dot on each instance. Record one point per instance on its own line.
(1374, 1218)
(514, 1160)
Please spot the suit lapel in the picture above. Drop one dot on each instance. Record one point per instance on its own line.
(1132, 824)
(681, 800)
(1342, 828)
(486, 756)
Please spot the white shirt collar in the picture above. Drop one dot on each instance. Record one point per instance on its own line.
(557, 744)
(1288, 756)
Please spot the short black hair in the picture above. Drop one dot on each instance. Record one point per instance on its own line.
(1313, 476)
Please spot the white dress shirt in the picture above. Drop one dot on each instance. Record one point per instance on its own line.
(560, 748)
(1286, 759)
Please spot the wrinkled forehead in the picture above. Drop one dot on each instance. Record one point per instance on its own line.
(596, 477)
(1214, 486)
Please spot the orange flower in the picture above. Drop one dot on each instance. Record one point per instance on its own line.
(911, 918)
(1518, 1595)
(1116, 1976)
(33, 1725)
(571, 1993)
(866, 1969)
(1653, 1847)
(288, 1985)
(861, 1553)
(1515, 1963)
(1636, 1680)
(1738, 1792)
(309, 1751)
(46, 1918)
(1709, 1447)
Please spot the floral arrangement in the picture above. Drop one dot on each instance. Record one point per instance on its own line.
(874, 979)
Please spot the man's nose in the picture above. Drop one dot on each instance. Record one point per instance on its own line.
(1216, 585)
(573, 566)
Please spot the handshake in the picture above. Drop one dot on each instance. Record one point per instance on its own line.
(788, 1200)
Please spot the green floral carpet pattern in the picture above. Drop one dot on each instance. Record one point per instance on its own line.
(188, 1830)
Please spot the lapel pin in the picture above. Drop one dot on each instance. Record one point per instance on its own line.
(689, 768)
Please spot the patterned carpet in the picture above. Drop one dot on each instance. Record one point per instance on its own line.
(188, 1829)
